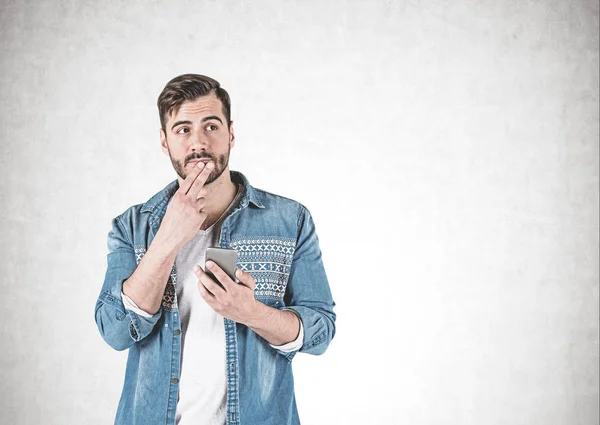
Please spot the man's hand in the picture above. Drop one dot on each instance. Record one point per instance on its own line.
(234, 301)
(182, 220)
(185, 215)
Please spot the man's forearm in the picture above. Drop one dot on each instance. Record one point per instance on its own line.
(146, 285)
(278, 327)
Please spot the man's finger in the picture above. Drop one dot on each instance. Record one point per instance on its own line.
(189, 179)
(205, 293)
(245, 278)
(205, 280)
(200, 180)
(219, 274)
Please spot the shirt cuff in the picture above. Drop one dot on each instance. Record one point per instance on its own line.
(130, 305)
(294, 345)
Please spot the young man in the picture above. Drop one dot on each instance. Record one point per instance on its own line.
(200, 351)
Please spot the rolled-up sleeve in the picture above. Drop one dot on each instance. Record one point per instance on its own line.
(307, 293)
(119, 326)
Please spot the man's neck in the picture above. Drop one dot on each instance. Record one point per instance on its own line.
(220, 194)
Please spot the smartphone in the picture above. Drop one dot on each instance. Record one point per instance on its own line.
(225, 258)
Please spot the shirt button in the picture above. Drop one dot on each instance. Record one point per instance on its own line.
(174, 380)
(176, 331)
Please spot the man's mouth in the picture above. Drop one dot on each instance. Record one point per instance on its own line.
(196, 160)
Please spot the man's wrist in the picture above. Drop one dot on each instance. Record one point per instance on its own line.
(259, 313)
(162, 247)
(273, 324)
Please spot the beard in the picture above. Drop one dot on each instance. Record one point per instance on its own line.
(221, 163)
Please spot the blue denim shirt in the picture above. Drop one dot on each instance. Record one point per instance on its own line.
(277, 244)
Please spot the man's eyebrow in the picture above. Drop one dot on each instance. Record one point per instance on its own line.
(180, 122)
(212, 117)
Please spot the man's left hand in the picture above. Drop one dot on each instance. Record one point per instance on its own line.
(234, 301)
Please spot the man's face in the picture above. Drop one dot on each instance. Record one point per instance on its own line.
(198, 131)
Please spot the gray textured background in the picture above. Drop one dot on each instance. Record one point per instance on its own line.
(447, 150)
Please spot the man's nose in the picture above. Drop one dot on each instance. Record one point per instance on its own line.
(198, 141)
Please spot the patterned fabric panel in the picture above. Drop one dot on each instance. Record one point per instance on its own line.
(269, 261)
(169, 301)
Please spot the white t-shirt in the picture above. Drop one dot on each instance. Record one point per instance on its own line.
(203, 381)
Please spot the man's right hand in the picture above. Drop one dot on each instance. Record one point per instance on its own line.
(185, 213)
(183, 218)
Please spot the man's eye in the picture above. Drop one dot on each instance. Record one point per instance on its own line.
(211, 127)
(183, 130)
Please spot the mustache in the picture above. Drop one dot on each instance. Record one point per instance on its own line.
(198, 156)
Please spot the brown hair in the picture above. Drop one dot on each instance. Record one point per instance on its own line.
(188, 87)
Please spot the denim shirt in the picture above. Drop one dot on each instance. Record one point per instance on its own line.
(277, 244)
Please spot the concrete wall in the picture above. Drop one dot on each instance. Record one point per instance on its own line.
(448, 152)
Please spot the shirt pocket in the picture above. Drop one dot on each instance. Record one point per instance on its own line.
(268, 260)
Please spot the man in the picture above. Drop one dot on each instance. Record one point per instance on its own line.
(200, 351)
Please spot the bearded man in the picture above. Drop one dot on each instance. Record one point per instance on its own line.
(207, 349)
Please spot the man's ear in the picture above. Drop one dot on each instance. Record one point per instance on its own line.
(163, 142)
(231, 135)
